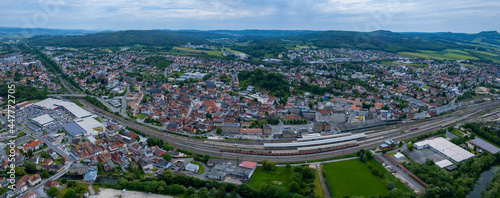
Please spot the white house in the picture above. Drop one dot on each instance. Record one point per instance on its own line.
(192, 167)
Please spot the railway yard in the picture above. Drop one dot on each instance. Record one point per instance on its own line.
(309, 149)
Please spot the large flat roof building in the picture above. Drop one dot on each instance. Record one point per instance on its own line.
(83, 127)
(490, 148)
(446, 148)
(43, 120)
(72, 108)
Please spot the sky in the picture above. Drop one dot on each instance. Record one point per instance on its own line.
(469, 16)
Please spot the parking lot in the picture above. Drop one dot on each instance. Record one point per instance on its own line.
(60, 116)
(419, 156)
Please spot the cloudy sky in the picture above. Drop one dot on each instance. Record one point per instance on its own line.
(468, 16)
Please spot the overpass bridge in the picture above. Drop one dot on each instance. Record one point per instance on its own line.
(68, 95)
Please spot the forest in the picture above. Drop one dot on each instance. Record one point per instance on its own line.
(273, 82)
(23, 93)
(160, 62)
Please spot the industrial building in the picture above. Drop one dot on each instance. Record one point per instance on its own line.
(483, 145)
(72, 108)
(445, 148)
(83, 127)
(43, 120)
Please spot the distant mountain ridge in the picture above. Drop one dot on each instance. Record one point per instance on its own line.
(258, 43)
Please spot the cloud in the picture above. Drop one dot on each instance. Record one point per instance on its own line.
(397, 15)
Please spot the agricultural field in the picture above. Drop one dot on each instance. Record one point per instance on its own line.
(195, 51)
(449, 54)
(234, 51)
(485, 55)
(354, 178)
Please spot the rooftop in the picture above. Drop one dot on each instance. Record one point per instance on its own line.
(43, 119)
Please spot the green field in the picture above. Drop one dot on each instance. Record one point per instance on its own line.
(63, 191)
(195, 51)
(354, 178)
(317, 186)
(449, 54)
(234, 51)
(141, 116)
(279, 176)
(457, 132)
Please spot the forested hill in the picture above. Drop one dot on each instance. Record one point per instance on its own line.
(259, 43)
(124, 38)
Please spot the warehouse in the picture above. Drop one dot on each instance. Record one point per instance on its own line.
(446, 148)
(83, 127)
(483, 145)
(43, 120)
(72, 108)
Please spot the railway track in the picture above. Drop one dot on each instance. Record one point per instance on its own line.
(375, 136)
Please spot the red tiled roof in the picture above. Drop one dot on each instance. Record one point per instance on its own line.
(247, 164)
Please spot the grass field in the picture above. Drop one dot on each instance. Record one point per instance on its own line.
(234, 51)
(449, 54)
(262, 177)
(190, 50)
(354, 178)
(279, 176)
(63, 191)
(317, 186)
(457, 132)
(141, 116)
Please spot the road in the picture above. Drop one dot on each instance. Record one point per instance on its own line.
(49, 144)
(38, 189)
(411, 182)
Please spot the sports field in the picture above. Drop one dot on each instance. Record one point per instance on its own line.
(354, 178)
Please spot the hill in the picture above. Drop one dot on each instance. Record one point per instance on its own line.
(123, 38)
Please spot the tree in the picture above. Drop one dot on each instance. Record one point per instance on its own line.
(288, 166)
(30, 167)
(390, 186)
(30, 153)
(64, 180)
(203, 193)
(221, 193)
(268, 165)
(218, 131)
(233, 194)
(70, 194)
(296, 177)
(45, 174)
(168, 176)
(19, 170)
(52, 191)
(294, 187)
(44, 154)
(167, 157)
(190, 191)
(206, 157)
(409, 146)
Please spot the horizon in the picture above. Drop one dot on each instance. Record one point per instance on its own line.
(205, 30)
(354, 15)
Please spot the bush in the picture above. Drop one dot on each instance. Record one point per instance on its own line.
(390, 186)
